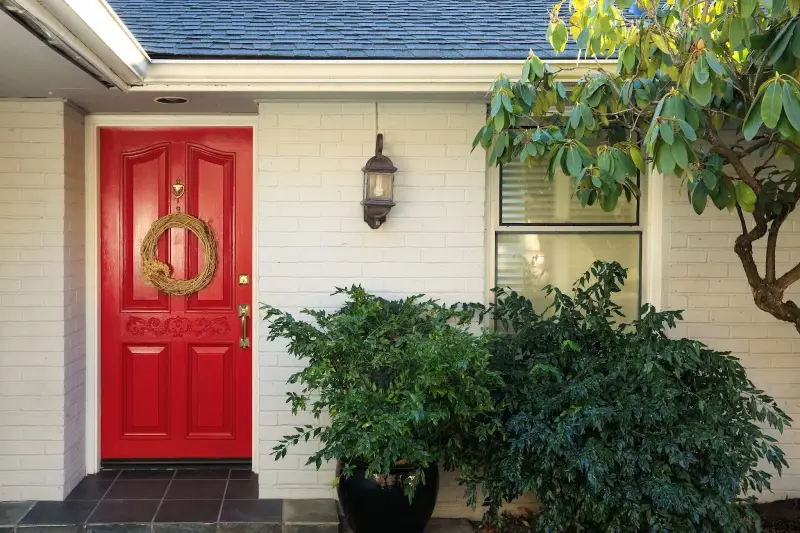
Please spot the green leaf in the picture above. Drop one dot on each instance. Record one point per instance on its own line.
(673, 107)
(701, 72)
(781, 41)
(745, 196)
(701, 92)
(746, 7)
(526, 71)
(680, 155)
(666, 132)
(558, 36)
(574, 161)
(796, 43)
(752, 121)
(575, 117)
(583, 38)
(687, 130)
(772, 105)
(496, 103)
(629, 57)
(500, 121)
(737, 32)
(791, 104)
(710, 180)
(608, 202)
(660, 43)
(478, 138)
(664, 160)
(699, 198)
(507, 103)
(636, 156)
(714, 63)
(537, 66)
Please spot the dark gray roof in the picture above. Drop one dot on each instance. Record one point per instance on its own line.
(340, 29)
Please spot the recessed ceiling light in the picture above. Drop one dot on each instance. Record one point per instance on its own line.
(171, 100)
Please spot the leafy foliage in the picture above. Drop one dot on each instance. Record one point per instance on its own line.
(402, 380)
(616, 427)
(686, 70)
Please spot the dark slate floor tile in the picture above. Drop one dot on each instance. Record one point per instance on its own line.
(124, 512)
(249, 527)
(311, 528)
(310, 512)
(106, 475)
(22, 528)
(118, 528)
(240, 489)
(192, 489)
(203, 473)
(127, 489)
(184, 528)
(147, 474)
(251, 511)
(91, 488)
(58, 513)
(12, 512)
(243, 474)
(198, 511)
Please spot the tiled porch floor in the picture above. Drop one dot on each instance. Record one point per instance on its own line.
(170, 501)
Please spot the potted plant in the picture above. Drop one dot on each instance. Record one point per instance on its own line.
(401, 381)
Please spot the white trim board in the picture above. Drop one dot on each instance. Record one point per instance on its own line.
(92, 206)
(471, 77)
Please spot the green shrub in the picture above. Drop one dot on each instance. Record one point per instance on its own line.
(618, 428)
(402, 380)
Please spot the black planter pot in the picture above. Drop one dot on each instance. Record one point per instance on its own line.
(378, 504)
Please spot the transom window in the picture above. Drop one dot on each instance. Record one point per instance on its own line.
(542, 236)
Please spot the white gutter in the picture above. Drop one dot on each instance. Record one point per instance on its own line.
(90, 33)
(398, 76)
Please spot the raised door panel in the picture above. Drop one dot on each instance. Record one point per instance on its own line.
(145, 174)
(210, 183)
(211, 392)
(145, 391)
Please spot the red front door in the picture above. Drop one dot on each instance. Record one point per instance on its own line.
(175, 382)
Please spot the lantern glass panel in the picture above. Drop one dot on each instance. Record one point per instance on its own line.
(380, 186)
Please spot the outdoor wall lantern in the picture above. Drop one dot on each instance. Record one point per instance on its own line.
(378, 187)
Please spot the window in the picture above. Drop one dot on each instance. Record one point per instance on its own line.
(542, 236)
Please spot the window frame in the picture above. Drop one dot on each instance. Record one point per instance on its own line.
(650, 227)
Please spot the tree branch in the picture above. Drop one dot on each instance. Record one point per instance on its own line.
(772, 242)
(744, 248)
(785, 281)
(734, 160)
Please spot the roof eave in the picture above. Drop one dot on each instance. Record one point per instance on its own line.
(90, 34)
(329, 75)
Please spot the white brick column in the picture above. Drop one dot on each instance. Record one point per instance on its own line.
(312, 236)
(42, 356)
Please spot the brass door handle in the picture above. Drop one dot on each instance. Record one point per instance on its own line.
(244, 313)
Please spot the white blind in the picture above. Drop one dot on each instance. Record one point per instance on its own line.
(527, 197)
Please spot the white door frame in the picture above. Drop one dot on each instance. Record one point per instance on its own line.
(92, 198)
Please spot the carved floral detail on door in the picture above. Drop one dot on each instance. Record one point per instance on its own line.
(176, 326)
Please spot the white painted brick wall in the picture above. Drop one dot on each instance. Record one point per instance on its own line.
(41, 296)
(74, 304)
(704, 276)
(312, 236)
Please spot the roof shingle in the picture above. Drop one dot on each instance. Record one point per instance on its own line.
(340, 29)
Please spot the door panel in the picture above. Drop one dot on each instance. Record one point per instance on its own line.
(175, 383)
(145, 199)
(145, 389)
